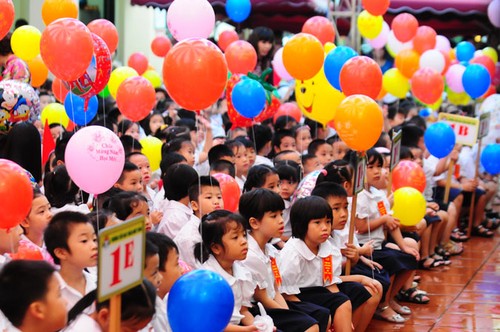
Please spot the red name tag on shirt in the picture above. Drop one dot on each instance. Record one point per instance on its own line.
(276, 271)
(381, 208)
(327, 269)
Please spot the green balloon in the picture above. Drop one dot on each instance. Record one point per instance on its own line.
(104, 93)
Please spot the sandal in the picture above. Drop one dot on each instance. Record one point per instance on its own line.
(396, 318)
(434, 263)
(413, 295)
(458, 236)
(453, 248)
(481, 232)
(417, 278)
(400, 309)
(441, 259)
(442, 252)
(492, 221)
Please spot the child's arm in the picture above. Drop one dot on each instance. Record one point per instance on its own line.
(260, 295)
(351, 252)
(291, 298)
(365, 281)
(366, 249)
(398, 238)
(208, 139)
(362, 224)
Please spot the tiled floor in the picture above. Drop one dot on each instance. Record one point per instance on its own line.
(464, 296)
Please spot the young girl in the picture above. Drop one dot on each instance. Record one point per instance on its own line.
(62, 192)
(262, 210)
(127, 205)
(152, 123)
(289, 173)
(224, 245)
(183, 147)
(311, 267)
(302, 138)
(240, 161)
(127, 127)
(262, 39)
(262, 176)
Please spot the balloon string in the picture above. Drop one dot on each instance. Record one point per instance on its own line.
(97, 213)
(11, 240)
(199, 191)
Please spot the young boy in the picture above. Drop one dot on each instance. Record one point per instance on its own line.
(30, 296)
(152, 273)
(262, 137)
(311, 163)
(72, 243)
(223, 166)
(339, 147)
(322, 150)
(131, 178)
(205, 197)
(240, 161)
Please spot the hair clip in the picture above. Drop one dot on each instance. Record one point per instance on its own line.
(324, 172)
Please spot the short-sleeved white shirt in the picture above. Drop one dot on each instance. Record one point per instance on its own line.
(83, 323)
(71, 295)
(186, 239)
(175, 216)
(367, 208)
(430, 165)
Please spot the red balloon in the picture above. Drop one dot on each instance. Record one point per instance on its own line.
(66, 48)
(230, 191)
(405, 27)
(288, 109)
(139, 62)
(107, 31)
(28, 253)
(161, 45)
(425, 39)
(491, 91)
(59, 89)
(8, 13)
(427, 85)
(408, 173)
(195, 73)
(361, 75)
(15, 207)
(376, 7)
(97, 74)
(226, 38)
(241, 57)
(135, 98)
(321, 28)
(487, 62)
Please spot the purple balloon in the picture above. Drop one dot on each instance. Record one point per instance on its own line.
(454, 78)
(494, 13)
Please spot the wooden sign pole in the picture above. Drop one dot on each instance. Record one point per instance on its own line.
(115, 311)
(351, 231)
(451, 167)
(473, 197)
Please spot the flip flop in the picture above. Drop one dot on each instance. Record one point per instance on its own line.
(396, 318)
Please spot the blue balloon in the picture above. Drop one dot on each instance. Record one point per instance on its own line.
(200, 301)
(476, 80)
(490, 159)
(425, 112)
(238, 10)
(75, 108)
(334, 62)
(465, 51)
(439, 139)
(248, 97)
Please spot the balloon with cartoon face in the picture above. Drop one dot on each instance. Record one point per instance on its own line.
(18, 102)
(317, 99)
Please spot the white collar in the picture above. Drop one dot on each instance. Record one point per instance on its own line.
(325, 249)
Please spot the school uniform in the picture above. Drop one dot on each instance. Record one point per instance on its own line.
(241, 283)
(26, 243)
(71, 295)
(83, 323)
(186, 239)
(286, 219)
(159, 321)
(175, 216)
(241, 182)
(265, 272)
(261, 160)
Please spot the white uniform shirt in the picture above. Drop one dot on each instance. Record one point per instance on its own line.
(261, 160)
(367, 208)
(430, 165)
(186, 239)
(300, 267)
(71, 295)
(241, 283)
(159, 323)
(286, 218)
(83, 323)
(175, 216)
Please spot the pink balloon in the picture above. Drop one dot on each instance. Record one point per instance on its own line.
(94, 158)
(494, 13)
(380, 41)
(190, 19)
(454, 78)
(279, 67)
(442, 44)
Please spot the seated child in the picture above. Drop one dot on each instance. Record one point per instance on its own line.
(131, 178)
(127, 205)
(311, 163)
(322, 150)
(262, 176)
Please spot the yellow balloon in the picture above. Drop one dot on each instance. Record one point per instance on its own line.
(54, 113)
(317, 99)
(409, 206)
(119, 75)
(395, 83)
(329, 46)
(491, 53)
(369, 26)
(153, 77)
(25, 42)
(436, 105)
(461, 98)
(151, 148)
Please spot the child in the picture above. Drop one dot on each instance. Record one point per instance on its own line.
(223, 166)
(262, 176)
(311, 163)
(130, 179)
(220, 152)
(151, 269)
(224, 245)
(127, 205)
(322, 150)
(262, 210)
(183, 147)
(205, 197)
(152, 123)
(240, 161)
(137, 310)
(283, 140)
(127, 127)
(72, 243)
(35, 224)
(105, 218)
(61, 191)
(302, 138)
(250, 150)
(262, 137)
(142, 162)
(339, 147)
(288, 172)
(30, 296)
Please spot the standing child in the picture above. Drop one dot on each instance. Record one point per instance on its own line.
(127, 205)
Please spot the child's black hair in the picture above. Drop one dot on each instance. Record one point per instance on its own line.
(405, 153)
(99, 219)
(123, 203)
(164, 244)
(283, 121)
(222, 166)
(373, 157)
(23, 282)
(234, 145)
(306, 209)
(279, 135)
(135, 153)
(246, 142)
(315, 127)
(255, 203)
(177, 180)
(278, 156)
(306, 157)
(333, 139)
(288, 170)
(125, 125)
(337, 171)
(257, 176)
(169, 159)
(382, 140)
(129, 144)
(329, 189)
(60, 149)
(175, 145)
(127, 168)
(218, 152)
(260, 135)
(204, 181)
(58, 231)
(212, 228)
(59, 188)
(314, 146)
(151, 250)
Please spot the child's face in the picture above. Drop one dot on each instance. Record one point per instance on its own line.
(9, 239)
(82, 244)
(173, 271)
(234, 241)
(339, 150)
(54, 306)
(272, 224)
(56, 132)
(141, 209)
(288, 188)
(132, 181)
(187, 151)
(209, 200)
(251, 154)
(303, 138)
(152, 270)
(373, 173)
(155, 123)
(264, 47)
(287, 143)
(417, 156)
(311, 165)
(324, 154)
(142, 162)
(133, 131)
(272, 183)
(39, 217)
(340, 211)
(241, 160)
(318, 231)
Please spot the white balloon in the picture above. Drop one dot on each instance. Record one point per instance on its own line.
(433, 59)
(442, 43)
(394, 46)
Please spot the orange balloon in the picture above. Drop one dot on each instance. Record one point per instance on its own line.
(303, 56)
(382, 93)
(195, 73)
(408, 173)
(66, 47)
(405, 27)
(226, 38)
(361, 75)
(55, 9)
(407, 62)
(425, 39)
(161, 45)
(376, 7)
(427, 85)
(8, 14)
(59, 89)
(321, 28)
(241, 57)
(139, 62)
(359, 122)
(491, 91)
(107, 31)
(38, 70)
(135, 98)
